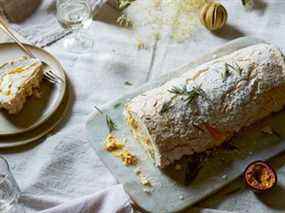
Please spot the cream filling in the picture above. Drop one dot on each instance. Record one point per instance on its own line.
(141, 134)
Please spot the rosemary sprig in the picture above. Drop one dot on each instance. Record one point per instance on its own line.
(111, 124)
(117, 105)
(190, 95)
(234, 67)
(166, 107)
(178, 90)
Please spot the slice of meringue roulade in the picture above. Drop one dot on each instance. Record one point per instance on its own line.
(18, 79)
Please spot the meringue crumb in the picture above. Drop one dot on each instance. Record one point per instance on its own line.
(143, 179)
(140, 44)
(128, 158)
(112, 143)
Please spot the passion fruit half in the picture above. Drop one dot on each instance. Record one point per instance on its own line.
(259, 176)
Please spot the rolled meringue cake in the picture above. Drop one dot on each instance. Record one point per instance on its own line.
(207, 105)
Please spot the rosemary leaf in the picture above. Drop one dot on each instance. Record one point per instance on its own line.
(238, 69)
(98, 109)
(128, 83)
(178, 91)
(111, 124)
(283, 56)
(165, 107)
(194, 93)
(200, 91)
(226, 73)
(190, 95)
(234, 67)
(117, 105)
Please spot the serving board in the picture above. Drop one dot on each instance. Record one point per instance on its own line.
(170, 193)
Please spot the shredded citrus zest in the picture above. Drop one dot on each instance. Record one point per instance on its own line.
(176, 18)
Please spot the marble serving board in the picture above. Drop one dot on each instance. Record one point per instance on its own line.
(170, 192)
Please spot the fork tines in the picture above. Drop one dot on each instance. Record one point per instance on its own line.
(52, 77)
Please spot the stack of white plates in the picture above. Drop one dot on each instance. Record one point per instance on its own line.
(39, 115)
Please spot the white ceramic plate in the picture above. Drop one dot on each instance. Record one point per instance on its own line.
(38, 132)
(35, 111)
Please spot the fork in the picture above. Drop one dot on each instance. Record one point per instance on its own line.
(48, 73)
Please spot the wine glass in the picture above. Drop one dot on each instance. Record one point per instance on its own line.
(9, 190)
(75, 15)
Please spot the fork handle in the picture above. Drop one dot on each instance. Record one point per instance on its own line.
(5, 28)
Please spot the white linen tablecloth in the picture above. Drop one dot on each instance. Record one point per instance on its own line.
(61, 173)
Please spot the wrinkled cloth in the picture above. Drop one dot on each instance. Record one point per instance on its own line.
(62, 171)
(99, 202)
(42, 28)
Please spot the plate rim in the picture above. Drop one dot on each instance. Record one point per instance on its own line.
(58, 119)
(62, 91)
